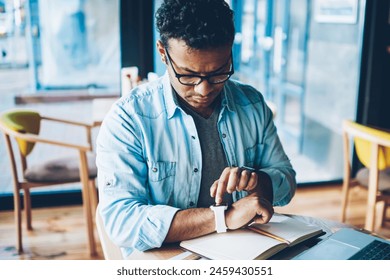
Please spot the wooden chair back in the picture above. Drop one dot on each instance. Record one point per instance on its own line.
(24, 126)
(373, 150)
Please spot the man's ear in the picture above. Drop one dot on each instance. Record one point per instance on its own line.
(161, 51)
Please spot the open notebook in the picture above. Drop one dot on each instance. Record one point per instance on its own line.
(253, 242)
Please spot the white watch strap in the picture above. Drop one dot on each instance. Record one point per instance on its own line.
(219, 215)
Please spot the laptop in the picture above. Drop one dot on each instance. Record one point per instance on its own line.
(348, 243)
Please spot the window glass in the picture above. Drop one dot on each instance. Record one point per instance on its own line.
(308, 70)
(79, 44)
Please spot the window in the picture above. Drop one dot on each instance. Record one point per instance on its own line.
(75, 44)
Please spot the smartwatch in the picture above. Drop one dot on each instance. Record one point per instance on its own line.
(250, 169)
(219, 215)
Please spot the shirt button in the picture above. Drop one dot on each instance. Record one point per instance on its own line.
(154, 169)
(223, 135)
(196, 170)
(193, 137)
(192, 203)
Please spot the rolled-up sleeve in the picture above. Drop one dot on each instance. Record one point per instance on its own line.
(130, 218)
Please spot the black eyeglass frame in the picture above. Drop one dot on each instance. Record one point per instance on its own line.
(201, 77)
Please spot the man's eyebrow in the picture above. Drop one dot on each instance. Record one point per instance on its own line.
(212, 72)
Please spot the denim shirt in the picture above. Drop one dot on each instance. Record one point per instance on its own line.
(149, 158)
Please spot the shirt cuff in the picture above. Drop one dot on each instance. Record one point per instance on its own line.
(155, 229)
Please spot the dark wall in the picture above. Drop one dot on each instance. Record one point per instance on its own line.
(136, 32)
(374, 88)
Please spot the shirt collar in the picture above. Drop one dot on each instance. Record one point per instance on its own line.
(170, 100)
(227, 97)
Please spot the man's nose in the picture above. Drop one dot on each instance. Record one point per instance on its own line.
(204, 88)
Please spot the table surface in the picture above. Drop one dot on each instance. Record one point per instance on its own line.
(173, 251)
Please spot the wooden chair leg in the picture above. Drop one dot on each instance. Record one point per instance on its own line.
(344, 199)
(27, 208)
(94, 195)
(18, 220)
(384, 219)
(372, 188)
(346, 178)
(87, 203)
(370, 218)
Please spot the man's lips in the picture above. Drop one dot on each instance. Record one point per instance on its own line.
(202, 100)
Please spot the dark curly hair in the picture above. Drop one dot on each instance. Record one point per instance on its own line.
(201, 24)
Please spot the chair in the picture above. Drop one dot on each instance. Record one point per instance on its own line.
(110, 250)
(24, 126)
(373, 151)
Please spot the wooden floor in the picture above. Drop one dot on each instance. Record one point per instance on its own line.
(59, 233)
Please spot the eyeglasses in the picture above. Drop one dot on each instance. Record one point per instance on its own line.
(194, 80)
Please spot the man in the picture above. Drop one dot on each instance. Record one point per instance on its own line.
(171, 148)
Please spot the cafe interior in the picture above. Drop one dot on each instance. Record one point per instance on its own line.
(322, 66)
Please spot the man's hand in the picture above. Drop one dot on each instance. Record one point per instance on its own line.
(233, 179)
(247, 210)
(256, 207)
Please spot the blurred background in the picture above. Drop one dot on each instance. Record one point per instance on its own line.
(317, 62)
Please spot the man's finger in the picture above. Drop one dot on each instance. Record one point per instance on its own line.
(234, 178)
(253, 181)
(221, 186)
(244, 179)
(261, 219)
(213, 188)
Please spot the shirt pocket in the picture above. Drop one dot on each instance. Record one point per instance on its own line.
(162, 181)
(253, 156)
(161, 170)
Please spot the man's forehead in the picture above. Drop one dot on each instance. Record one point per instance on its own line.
(174, 44)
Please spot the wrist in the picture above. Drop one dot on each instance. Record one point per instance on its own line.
(241, 212)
